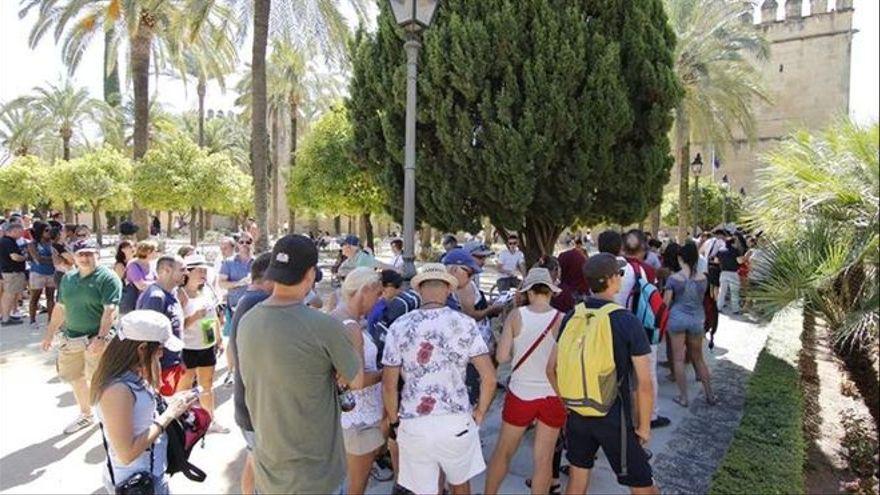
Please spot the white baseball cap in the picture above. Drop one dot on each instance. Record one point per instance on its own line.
(148, 326)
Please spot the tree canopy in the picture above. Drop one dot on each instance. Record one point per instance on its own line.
(710, 207)
(326, 179)
(22, 182)
(533, 113)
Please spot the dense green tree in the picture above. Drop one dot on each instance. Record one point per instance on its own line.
(99, 180)
(535, 113)
(326, 179)
(712, 206)
(715, 60)
(23, 182)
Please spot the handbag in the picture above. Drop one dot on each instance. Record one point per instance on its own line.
(536, 343)
(139, 483)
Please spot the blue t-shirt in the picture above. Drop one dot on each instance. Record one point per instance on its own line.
(235, 269)
(629, 339)
(44, 250)
(157, 299)
(250, 299)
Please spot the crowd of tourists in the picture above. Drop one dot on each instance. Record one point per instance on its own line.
(326, 388)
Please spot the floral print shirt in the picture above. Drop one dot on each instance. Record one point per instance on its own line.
(433, 348)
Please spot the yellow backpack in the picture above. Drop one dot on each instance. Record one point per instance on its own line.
(585, 370)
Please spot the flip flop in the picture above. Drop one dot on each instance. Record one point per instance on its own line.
(554, 489)
(677, 399)
(712, 400)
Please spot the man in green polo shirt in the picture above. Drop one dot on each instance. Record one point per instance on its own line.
(88, 298)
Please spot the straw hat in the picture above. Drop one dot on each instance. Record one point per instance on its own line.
(434, 271)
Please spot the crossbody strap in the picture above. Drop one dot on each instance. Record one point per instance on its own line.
(110, 465)
(536, 343)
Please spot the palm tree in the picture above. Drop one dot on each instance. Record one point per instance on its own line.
(315, 23)
(714, 62)
(154, 30)
(817, 202)
(67, 107)
(23, 132)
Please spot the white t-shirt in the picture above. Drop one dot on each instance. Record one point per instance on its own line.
(626, 286)
(397, 262)
(510, 260)
(200, 334)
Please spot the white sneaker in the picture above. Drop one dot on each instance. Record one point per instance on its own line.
(83, 421)
(217, 428)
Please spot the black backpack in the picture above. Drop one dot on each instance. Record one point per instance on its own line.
(183, 434)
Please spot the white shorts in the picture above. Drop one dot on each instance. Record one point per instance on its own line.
(431, 443)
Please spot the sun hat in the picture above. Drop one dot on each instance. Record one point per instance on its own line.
(148, 326)
(434, 271)
(477, 248)
(460, 257)
(195, 261)
(602, 266)
(292, 256)
(539, 276)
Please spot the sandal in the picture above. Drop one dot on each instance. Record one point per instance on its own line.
(712, 400)
(678, 400)
(554, 489)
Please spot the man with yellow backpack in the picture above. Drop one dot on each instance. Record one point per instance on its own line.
(602, 347)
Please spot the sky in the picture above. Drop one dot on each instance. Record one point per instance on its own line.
(22, 68)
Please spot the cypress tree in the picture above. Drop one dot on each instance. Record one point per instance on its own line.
(535, 113)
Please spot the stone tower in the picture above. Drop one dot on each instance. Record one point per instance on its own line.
(807, 76)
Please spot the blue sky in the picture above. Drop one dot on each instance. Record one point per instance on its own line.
(22, 68)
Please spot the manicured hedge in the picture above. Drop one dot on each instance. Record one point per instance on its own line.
(768, 450)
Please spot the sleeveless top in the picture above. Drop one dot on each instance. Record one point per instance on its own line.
(686, 310)
(143, 414)
(43, 249)
(529, 382)
(200, 334)
(368, 401)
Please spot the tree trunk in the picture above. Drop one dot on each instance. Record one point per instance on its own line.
(683, 150)
(313, 222)
(193, 228)
(294, 124)
(367, 227)
(425, 242)
(68, 212)
(337, 225)
(96, 224)
(201, 224)
(201, 90)
(140, 69)
(259, 133)
(209, 220)
(112, 95)
(65, 146)
(275, 175)
(350, 224)
(169, 226)
(655, 220)
(538, 238)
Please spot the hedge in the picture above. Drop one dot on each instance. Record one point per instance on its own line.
(768, 451)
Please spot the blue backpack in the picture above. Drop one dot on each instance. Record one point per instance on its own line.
(648, 306)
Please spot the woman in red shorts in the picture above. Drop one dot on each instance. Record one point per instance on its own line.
(528, 338)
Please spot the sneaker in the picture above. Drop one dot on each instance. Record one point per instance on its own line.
(217, 428)
(83, 421)
(10, 322)
(660, 422)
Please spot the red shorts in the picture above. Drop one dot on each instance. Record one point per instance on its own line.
(170, 378)
(518, 412)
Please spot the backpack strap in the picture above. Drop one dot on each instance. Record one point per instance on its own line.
(536, 343)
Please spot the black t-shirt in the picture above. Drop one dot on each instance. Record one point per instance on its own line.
(727, 258)
(629, 339)
(8, 246)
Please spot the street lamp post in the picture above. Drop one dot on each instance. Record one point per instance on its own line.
(725, 185)
(696, 170)
(413, 16)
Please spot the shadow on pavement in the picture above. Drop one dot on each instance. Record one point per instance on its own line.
(96, 455)
(66, 399)
(25, 465)
(233, 472)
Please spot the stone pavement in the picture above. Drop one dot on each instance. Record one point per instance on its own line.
(36, 457)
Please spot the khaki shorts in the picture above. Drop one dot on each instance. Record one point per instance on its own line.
(74, 361)
(38, 281)
(14, 282)
(362, 441)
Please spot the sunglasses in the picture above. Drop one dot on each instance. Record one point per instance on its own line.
(245, 243)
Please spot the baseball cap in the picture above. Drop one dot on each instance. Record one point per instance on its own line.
(292, 256)
(148, 326)
(85, 245)
(602, 266)
(460, 257)
(350, 240)
(477, 248)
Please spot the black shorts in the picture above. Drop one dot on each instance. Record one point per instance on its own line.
(201, 358)
(584, 436)
(714, 275)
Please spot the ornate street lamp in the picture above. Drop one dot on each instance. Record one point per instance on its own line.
(696, 170)
(414, 16)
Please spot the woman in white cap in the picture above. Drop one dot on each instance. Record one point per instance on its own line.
(202, 338)
(124, 393)
(362, 432)
(527, 340)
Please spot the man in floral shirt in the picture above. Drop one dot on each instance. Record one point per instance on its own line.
(430, 349)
